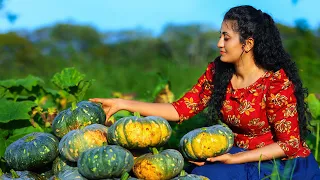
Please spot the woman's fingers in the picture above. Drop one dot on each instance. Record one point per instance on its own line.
(99, 100)
(197, 163)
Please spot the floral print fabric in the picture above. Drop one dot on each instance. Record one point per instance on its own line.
(260, 114)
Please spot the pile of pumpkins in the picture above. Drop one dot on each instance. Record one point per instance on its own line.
(81, 147)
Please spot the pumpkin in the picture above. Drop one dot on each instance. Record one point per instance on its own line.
(77, 141)
(185, 176)
(21, 175)
(62, 164)
(70, 174)
(202, 143)
(32, 151)
(136, 132)
(105, 162)
(125, 176)
(80, 115)
(157, 166)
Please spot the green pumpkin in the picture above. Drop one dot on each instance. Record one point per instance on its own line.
(185, 176)
(32, 151)
(62, 164)
(158, 166)
(124, 176)
(105, 162)
(77, 141)
(70, 174)
(136, 132)
(202, 143)
(82, 114)
(21, 175)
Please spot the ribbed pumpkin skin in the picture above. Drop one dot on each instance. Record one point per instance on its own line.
(23, 175)
(139, 132)
(105, 162)
(68, 175)
(191, 177)
(32, 151)
(84, 114)
(165, 165)
(202, 143)
(77, 141)
(62, 164)
(129, 178)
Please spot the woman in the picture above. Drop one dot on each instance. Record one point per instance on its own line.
(255, 89)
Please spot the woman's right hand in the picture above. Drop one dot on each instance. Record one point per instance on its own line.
(109, 105)
(113, 105)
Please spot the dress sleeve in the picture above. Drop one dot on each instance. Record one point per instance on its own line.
(282, 113)
(197, 98)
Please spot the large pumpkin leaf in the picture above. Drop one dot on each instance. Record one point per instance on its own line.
(67, 78)
(82, 89)
(314, 105)
(73, 82)
(28, 82)
(11, 110)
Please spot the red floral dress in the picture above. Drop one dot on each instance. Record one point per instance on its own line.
(260, 114)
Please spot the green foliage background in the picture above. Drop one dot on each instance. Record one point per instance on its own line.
(128, 61)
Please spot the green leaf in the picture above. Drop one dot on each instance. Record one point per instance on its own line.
(28, 82)
(314, 122)
(53, 92)
(15, 110)
(24, 131)
(82, 89)
(67, 78)
(314, 105)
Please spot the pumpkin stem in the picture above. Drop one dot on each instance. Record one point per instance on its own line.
(30, 138)
(125, 176)
(14, 174)
(154, 150)
(204, 128)
(183, 173)
(137, 114)
(73, 105)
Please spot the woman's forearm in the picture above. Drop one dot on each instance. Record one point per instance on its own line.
(271, 151)
(165, 110)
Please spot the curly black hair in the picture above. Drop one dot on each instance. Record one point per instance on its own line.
(268, 53)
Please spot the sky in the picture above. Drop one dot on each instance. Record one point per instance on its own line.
(152, 15)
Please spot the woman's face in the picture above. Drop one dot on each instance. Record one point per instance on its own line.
(229, 43)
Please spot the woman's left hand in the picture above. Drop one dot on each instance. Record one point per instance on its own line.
(224, 158)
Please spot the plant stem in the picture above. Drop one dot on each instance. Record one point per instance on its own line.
(14, 174)
(124, 176)
(74, 106)
(317, 141)
(137, 114)
(155, 150)
(183, 173)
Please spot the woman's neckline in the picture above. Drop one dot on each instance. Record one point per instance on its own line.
(250, 85)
